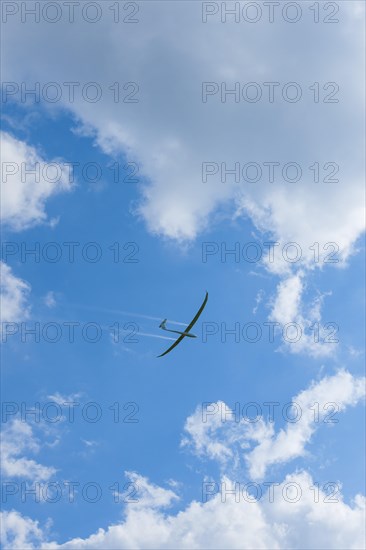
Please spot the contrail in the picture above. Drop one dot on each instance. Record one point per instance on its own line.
(109, 329)
(155, 336)
(140, 333)
(129, 313)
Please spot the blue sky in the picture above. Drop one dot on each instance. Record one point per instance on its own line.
(165, 220)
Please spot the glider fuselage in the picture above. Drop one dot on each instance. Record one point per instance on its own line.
(186, 332)
(179, 332)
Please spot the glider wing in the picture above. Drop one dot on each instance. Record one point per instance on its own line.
(194, 320)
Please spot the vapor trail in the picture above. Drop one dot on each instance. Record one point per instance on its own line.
(129, 313)
(139, 333)
(155, 336)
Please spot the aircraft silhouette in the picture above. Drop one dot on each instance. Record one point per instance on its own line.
(186, 332)
(163, 326)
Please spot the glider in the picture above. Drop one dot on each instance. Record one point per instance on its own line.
(186, 331)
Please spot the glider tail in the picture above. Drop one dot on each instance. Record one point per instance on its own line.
(162, 324)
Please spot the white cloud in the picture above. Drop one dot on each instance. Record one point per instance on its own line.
(305, 331)
(150, 495)
(258, 300)
(202, 435)
(216, 524)
(17, 438)
(50, 299)
(14, 296)
(296, 513)
(20, 532)
(23, 196)
(355, 352)
(342, 389)
(170, 132)
(63, 400)
(233, 441)
(288, 299)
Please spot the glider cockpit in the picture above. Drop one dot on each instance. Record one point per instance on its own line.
(163, 326)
